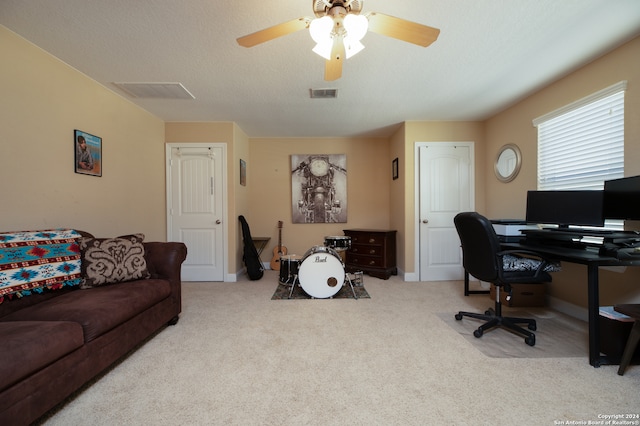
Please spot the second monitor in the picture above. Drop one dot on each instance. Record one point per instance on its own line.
(564, 208)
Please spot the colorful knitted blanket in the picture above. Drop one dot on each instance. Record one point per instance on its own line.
(32, 261)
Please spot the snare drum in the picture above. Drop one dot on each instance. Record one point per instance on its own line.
(289, 266)
(338, 243)
(321, 272)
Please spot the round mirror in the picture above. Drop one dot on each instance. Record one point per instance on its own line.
(508, 163)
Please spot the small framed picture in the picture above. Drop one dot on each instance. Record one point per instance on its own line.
(394, 168)
(88, 153)
(243, 173)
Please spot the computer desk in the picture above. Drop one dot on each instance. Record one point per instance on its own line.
(590, 257)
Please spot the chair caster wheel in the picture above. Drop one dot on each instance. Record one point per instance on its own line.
(490, 311)
(532, 327)
(478, 333)
(530, 340)
(458, 317)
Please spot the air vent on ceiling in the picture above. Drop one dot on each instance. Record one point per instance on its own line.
(156, 90)
(323, 93)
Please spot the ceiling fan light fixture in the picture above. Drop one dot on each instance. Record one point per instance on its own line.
(324, 49)
(351, 47)
(356, 26)
(320, 29)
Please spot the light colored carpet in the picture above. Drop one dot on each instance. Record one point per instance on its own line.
(239, 358)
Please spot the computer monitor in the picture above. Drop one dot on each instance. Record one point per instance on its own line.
(564, 208)
(621, 198)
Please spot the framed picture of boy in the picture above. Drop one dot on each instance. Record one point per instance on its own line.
(88, 153)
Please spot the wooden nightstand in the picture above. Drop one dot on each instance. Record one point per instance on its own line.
(372, 251)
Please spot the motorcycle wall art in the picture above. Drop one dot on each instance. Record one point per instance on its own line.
(319, 188)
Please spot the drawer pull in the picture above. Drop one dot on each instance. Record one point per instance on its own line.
(373, 262)
(372, 240)
(372, 251)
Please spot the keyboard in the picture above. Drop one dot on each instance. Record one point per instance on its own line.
(553, 237)
(578, 235)
(583, 231)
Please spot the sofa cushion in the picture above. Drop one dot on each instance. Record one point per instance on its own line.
(100, 309)
(28, 346)
(112, 260)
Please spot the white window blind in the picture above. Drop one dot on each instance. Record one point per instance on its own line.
(582, 144)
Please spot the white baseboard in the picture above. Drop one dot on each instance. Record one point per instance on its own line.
(568, 308)
(409, 276)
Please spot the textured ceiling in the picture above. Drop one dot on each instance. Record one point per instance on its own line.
(489, 55)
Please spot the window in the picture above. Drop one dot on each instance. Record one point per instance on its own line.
(582, 144)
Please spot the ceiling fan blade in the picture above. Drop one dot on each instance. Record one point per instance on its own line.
(276, 31)
(333, 66)
(401, 29)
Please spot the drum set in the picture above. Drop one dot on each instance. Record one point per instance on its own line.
(320, 271)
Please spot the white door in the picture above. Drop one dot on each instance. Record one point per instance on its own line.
(196, 207)
(445, 188)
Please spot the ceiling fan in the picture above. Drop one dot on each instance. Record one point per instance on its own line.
(338, 29)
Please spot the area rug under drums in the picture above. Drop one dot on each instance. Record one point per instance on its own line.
(557, 336)
(282, 293)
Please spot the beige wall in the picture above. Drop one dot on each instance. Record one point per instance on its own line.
(242, 202)
(269, 183)
(42, 101)
(399, 216)
(514, 126)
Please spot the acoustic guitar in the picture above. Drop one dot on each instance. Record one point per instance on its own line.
(278, 250)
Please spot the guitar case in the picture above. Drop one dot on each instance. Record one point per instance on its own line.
(251, 259)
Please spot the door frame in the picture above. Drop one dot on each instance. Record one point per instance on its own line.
(225, 197)
(472, 189)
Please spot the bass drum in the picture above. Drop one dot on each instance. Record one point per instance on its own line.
(321, 273)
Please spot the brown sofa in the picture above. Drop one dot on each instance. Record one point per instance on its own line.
(55, 342)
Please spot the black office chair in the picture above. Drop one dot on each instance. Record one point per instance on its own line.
(483, 258)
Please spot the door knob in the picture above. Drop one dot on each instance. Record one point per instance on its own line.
(425, 221)
(218, 222)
